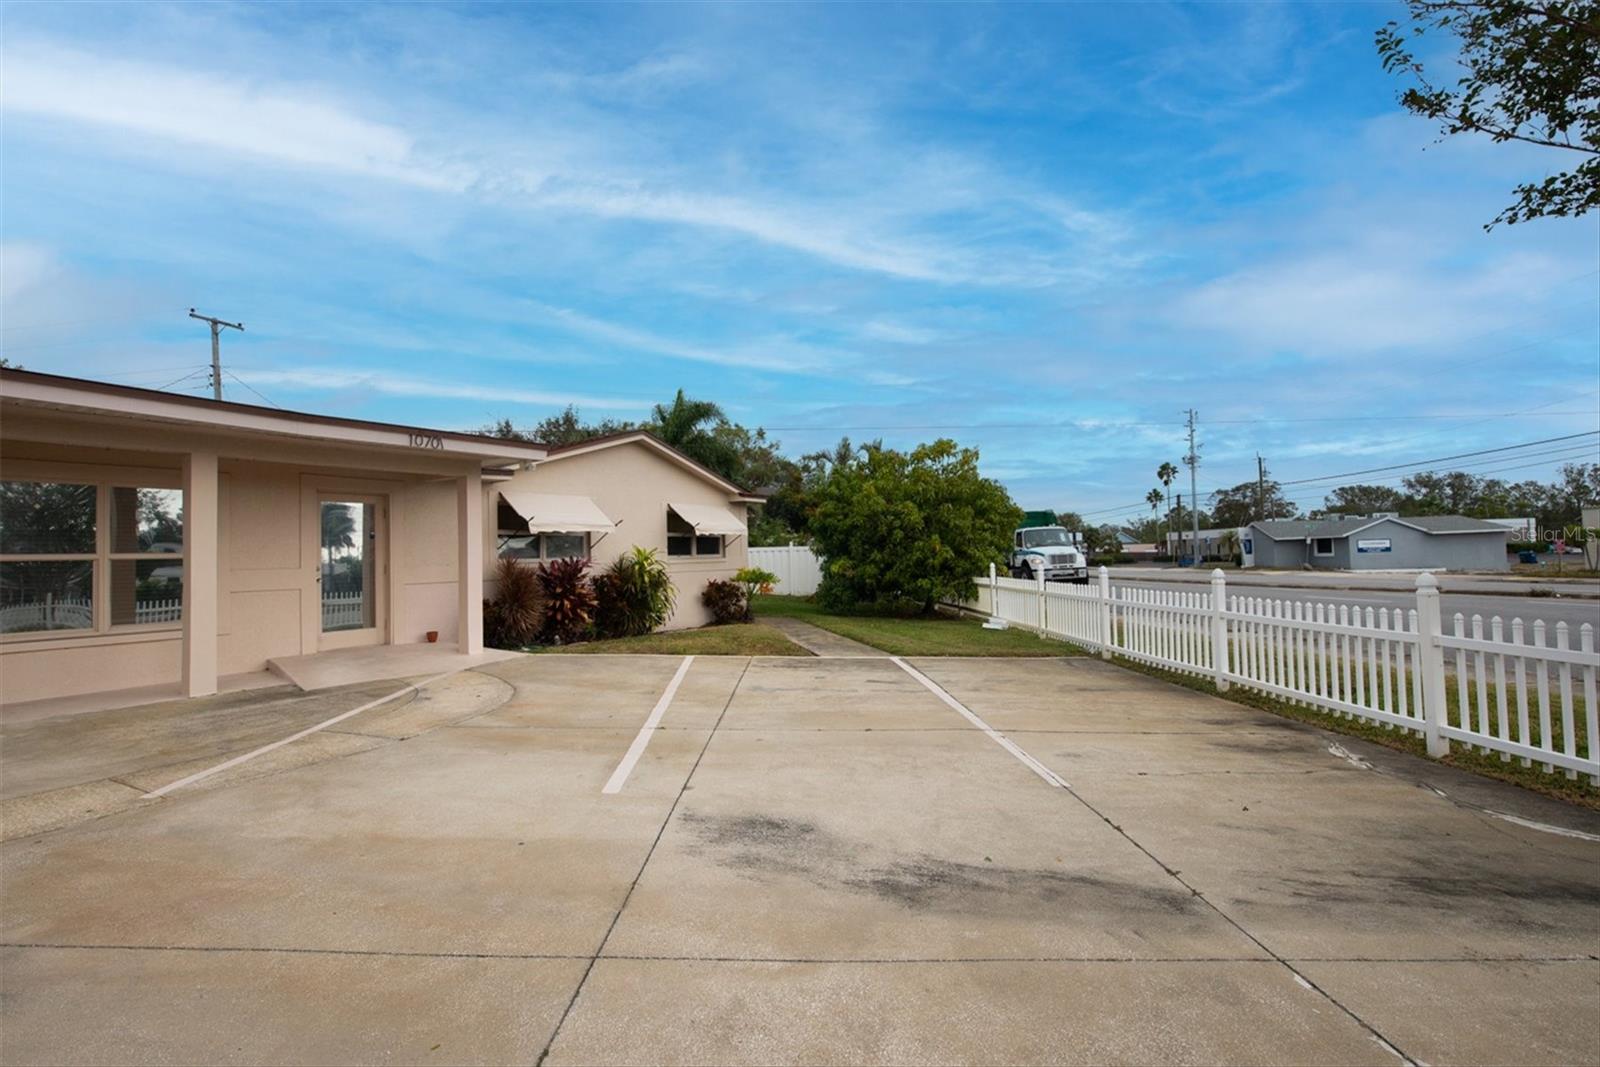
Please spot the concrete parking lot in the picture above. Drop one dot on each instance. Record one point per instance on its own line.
(812, 860)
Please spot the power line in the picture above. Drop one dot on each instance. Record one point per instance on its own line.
(1415, 465)
(175, 381)
(264, 397)
(1446, 459)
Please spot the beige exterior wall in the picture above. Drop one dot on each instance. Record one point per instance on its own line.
(633, 483)
(267, 539)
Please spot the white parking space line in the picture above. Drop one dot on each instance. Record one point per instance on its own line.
(264, 749)
(620, 776)
(1050, 777)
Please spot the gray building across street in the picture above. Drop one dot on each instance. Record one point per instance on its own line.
(1377, 542)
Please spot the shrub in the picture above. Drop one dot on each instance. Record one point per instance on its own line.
(916, 525)
(634, 595)
(569, 600)
(754, 580)
(725, 599)
(513, 617)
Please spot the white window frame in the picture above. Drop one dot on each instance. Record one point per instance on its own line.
(1315, 551)
(694, 552)
(101, 558)
(544, 555)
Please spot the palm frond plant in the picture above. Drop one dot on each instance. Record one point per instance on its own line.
(513, 617)
(635, 594)
(754, 580)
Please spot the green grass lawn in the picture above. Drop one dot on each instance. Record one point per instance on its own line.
(740, 639)
(937, 636)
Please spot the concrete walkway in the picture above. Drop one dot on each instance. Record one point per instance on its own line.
(816, 640)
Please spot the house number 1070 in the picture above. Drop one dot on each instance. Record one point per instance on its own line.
(426, 440)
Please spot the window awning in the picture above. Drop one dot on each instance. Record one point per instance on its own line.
(552, 512)
(709, 519)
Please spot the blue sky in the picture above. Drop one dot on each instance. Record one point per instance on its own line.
(1043, 230)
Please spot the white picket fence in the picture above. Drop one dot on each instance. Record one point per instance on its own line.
(1523, 691)
(339, 610)
(77, 613)
(798, 569)
(343, 611)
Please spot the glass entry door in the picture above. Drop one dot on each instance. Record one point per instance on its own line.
(352, 570)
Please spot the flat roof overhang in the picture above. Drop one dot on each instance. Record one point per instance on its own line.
(31, 391)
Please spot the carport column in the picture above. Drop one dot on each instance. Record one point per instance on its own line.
(200, 574)
(1430, 662)
(1219, 630)
(1105, 613)
(469, 581)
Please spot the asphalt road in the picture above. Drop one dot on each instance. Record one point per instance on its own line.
(1571, 604)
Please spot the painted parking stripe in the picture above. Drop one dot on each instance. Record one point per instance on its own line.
(308, 731)
(635, 750)
(1050, 777)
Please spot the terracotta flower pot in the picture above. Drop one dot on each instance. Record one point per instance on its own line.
(433, 637)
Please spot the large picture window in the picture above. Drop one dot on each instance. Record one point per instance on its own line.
(88, 556)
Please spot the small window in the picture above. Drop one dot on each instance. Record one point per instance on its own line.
(145, 591)
(1323, 546)
(524, 546)
(40, 595)
(566, 546)
(680, 535)
(146, 520)
(682, 540)
(46, 518)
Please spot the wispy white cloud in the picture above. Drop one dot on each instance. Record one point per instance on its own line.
(333, 378)
(775, 355)
(314, 128)
(900, 333)
(293, 126)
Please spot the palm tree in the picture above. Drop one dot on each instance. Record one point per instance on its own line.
(684, 427)
(338, 537)
(1153, 498)
(1167, 474)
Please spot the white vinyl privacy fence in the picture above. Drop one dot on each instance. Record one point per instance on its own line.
(798, 569)
(1523, 690)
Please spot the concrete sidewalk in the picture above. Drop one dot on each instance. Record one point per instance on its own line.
(817, 641)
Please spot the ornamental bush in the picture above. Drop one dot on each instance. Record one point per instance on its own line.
(725, 599)
(569, 600)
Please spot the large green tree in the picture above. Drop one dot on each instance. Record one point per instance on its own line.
(909, 528)
(1363, 499)
(1248, 501)
(1529, 71)
(567, 428)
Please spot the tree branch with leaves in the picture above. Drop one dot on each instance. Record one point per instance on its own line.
(1530, 73)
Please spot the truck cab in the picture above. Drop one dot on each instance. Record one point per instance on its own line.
(1053, 551)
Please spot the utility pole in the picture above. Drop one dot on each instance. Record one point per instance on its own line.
(216, 348)
(1193, 462)
(1261, 488)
